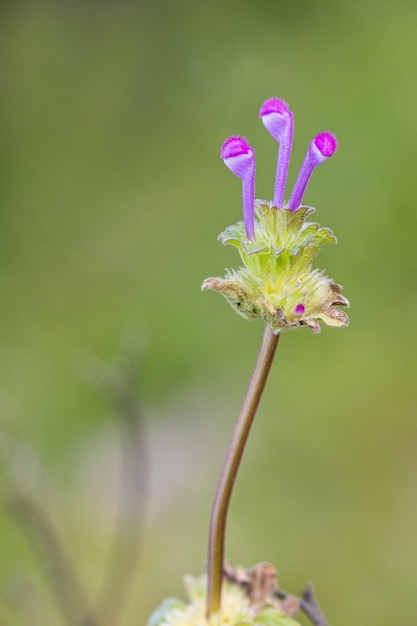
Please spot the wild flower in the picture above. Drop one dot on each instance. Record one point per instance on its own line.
(277, 283)
(276, 243)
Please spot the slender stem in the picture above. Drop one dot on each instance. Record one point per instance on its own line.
(230, 468)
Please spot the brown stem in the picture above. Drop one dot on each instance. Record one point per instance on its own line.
(230, 468)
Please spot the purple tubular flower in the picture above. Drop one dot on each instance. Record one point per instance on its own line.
(321, 148)
(239, 157)
(279, 122)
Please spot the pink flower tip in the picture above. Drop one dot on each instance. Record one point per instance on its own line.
(326, 144)
(233, 147)
(239, 157)
(299, 309)
(274, 105)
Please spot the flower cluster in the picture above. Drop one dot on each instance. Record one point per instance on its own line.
(247, 600)
(276, 242)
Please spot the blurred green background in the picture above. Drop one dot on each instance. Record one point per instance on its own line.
(112, 195)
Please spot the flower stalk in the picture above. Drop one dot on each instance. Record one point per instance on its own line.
(230, 467)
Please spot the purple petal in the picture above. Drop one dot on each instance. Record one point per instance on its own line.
(239, 157)
(299, 309)
(279, 122)
(320, 149)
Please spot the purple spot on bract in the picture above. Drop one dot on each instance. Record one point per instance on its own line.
(299, 309)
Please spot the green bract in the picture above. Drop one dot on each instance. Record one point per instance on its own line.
(236, 609)
(277, 282)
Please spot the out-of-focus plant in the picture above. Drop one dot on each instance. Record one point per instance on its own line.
(116, 382)
(277, 283)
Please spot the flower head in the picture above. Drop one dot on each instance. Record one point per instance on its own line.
(276, 242)
(243, 603)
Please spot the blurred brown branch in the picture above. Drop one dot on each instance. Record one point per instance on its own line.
(308, 604)
(117, 383)
(44, 541)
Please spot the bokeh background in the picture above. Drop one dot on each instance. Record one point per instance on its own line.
(112, 195)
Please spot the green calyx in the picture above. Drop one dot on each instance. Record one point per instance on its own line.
(277, 282)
